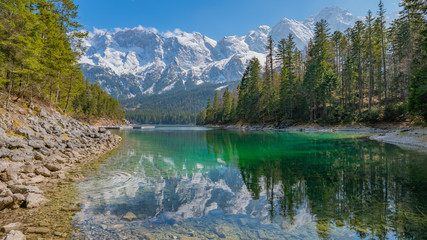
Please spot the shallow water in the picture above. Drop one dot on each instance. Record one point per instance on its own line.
(198, 183)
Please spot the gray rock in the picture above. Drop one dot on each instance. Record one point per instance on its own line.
(4, 152)
(34, 200)
(61, 175)
(12, 226)
(15, 235)
(59, 159)
(36, 144)
(43, 171)
(43, 113)
(39, 156)
(28, 168)
(12, 174)
(50, 144)
(45, 151)
(5, 202)
(18, 199)
(22, 189)
(53, 166)
(36, 179)
(3, 165)
(3, 187)
(24, 131)
(102, 130)
(20, 156)
(15, 142)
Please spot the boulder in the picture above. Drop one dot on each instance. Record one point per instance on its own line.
(22, 189)
(39, 156)
(12, 226)
(43, 113)
(34, 200)
(15, 235)
(43, 171)
(15, 142)
(12, 174)
(28, 168)
(3, 165)
(4, 152)
(3, 187)
(36, 144)
(25, 132)
(18, 199)
(50, 144)
(53, 166)
(20, 156)
(45, 151)
(5, 202)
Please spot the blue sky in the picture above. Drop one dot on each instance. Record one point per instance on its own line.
(214, 18)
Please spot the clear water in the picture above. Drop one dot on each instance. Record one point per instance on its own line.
(198, 183)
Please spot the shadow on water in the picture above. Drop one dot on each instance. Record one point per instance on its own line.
(224, 184)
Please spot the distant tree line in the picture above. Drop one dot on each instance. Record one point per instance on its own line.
(158, 116)
(40, 45)
(367, 73)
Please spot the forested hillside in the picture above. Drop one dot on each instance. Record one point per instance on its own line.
(40, 45)
(179, 107)
(368, 73)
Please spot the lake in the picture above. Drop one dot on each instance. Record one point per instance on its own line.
(200, 183)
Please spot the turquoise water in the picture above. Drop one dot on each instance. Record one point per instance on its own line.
(198, 183)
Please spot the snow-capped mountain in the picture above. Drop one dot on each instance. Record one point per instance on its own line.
(142, 61)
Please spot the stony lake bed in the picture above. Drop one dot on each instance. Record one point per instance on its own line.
(202, 183)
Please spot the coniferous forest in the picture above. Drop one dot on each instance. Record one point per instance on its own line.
(374, 71)
(40, 45)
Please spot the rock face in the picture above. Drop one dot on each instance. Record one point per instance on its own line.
(38, 145)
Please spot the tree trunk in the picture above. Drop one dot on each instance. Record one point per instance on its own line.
(68, 94)
(10, 89)
(384, 71)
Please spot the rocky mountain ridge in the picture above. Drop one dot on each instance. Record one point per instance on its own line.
(139, 61)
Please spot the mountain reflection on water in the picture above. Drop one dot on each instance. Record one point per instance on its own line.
(212, 184)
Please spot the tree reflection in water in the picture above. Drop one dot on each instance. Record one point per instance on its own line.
(372, 188)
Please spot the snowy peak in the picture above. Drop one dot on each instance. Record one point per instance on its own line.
(302, 33)
(139, 61)
(256, 39)
(338, 19)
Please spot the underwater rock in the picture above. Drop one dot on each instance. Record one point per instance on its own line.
(129, 216)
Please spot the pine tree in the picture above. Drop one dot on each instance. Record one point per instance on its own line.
(227, 106)
(381, 16)
(357, 46)
(369, 33)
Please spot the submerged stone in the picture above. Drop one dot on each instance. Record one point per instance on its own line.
(129, 216)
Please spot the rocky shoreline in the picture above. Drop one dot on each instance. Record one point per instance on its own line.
(409, 138)
(39, 147)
